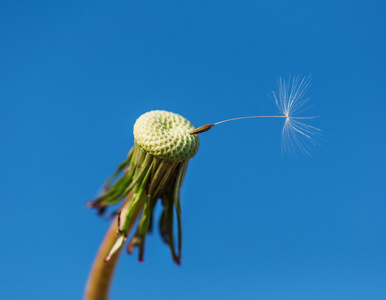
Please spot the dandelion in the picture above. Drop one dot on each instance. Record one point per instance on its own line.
(155, 168)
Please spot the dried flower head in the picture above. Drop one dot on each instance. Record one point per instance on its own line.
(154, 169)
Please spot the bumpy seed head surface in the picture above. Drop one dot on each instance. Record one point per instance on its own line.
(166, 135)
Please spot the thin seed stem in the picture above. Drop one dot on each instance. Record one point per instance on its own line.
(250, 117)
(206, 127)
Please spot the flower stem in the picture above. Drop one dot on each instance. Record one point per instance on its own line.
(101, 274)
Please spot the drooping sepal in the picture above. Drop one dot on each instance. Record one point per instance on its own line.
(142, 179)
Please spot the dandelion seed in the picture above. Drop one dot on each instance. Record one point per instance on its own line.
(289, 99)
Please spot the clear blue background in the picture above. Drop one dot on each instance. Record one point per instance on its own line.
(75, 75)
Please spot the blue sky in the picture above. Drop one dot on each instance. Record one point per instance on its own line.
(75, 75)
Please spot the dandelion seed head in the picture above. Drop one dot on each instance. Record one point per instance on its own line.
(290, 100)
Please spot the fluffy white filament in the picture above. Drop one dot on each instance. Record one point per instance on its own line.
(290, 100)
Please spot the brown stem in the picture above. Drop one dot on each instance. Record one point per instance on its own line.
(101, 274)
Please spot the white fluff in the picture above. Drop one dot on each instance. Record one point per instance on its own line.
(290, 100)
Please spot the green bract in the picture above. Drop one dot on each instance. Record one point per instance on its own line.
(154, 169)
